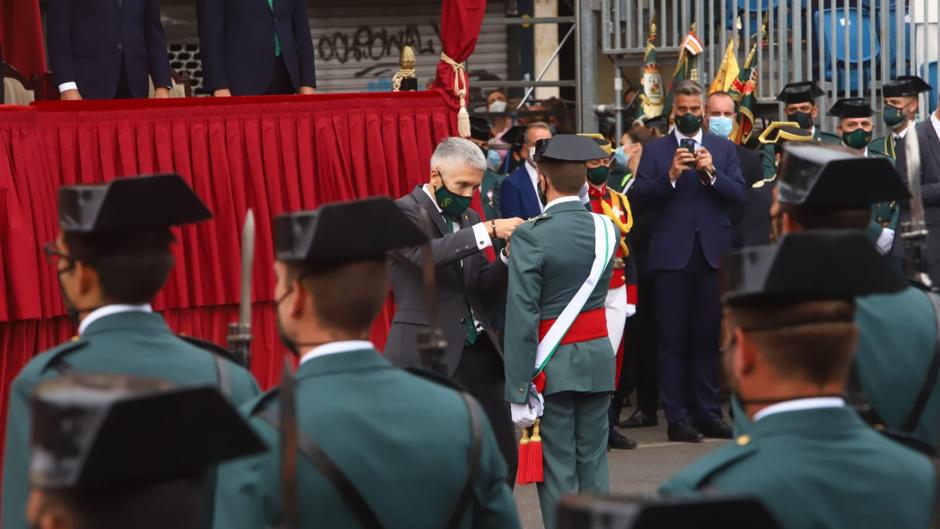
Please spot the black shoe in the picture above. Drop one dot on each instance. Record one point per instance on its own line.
(714, 428)
(639, 420)
(619, 441)
(683, 432)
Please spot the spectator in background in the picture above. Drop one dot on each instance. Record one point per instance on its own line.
(259, 47)
(560, 117)
(694, 180)
(496, 101)
(107, 49)
(627, 157)
(519, 194)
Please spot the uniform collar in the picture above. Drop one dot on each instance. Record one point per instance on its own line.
(594, 192)
(800, 404)
(562, 200)
(352, 360)
(335, 348)
(813, 422)
(109, 310)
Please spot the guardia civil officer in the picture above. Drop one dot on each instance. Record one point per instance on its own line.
(557, 348)
(112, 257)
(807, 456)
(800, 107)
(899, 112)
(895, 367)
(118, 451)
(400, 449)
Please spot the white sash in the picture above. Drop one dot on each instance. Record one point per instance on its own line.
(604, 246)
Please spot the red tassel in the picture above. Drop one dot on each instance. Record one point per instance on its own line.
(539, 382)
(536, 473)
(522, 470)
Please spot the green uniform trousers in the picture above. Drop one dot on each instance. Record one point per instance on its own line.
(574, 432)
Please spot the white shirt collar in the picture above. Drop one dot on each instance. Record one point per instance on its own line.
(800, 404)
(935, 122)
(336, 348)
(561, 200)
(897, 135)
(108, 310)
(427, 191)
(697, 137)
(534, 178)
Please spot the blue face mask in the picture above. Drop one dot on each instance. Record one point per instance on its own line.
(720, 126)
(621, 158)
(493, 159)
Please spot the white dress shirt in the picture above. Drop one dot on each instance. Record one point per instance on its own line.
(336, 348)
(936, 123)
(900, 135)
(800, 404)
(108, 310)
(534, 178)
(697, 138)
(479, 229)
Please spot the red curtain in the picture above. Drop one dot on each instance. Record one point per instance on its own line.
(269, 154)
(21, 36)
(461, 21)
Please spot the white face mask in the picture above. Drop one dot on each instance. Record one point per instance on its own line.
(497, 106)
(531, 158)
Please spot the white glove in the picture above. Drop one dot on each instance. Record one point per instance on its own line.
(885, 239)
(522, 415)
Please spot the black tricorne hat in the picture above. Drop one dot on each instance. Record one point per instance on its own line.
(479, 128)
(817, 176)
(118, 430)
(344, 232)
(800, 92)
(807, 266)
(852, 107)
(568, 148)
(905, 85)
(130, 204)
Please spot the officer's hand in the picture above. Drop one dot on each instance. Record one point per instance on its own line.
(222, 92)
(305, 90)
(703, 160)
(161, 93)
(681, 161)
(71, 95)
(505, 227)
(522, 415)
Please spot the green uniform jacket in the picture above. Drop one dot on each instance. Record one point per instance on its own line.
(820, 468)
(883, 214)
(896, 336)
(131, 343)
(768, 159)
(550, 257)
(403, 442)
(884, 146)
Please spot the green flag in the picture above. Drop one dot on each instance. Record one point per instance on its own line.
(686, 67)
(651, 84)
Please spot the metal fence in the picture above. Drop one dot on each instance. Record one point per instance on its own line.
(849, 48)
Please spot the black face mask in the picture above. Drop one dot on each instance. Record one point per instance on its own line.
(805, 119)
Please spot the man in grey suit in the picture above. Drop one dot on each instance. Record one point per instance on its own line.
(467, 282)
(928, 136)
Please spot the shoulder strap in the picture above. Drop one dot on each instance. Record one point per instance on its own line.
(474, 460)
(927, 389)
(340, 481)
(225, 385)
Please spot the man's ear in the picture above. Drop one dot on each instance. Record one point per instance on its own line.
(815, 111)
(300, 298)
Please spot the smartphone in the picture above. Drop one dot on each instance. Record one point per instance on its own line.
(690, 145)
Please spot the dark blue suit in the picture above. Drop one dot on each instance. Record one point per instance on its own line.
(94, 42)
(236, 39)
(690, 233)
(517, 197)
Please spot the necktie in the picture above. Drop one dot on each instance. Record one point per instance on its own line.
(472, 334)
(277, 42)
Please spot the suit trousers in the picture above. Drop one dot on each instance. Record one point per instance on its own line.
(481, 373)
(280, 79)
(688, 313)
(640, 362)
(574, 442)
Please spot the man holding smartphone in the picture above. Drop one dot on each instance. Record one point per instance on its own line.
(692, 181)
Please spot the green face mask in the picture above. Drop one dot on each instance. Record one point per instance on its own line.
(893, 116)
(857, 139)
(805, 119)
(452, 204)
(598, 175)
(688, 123)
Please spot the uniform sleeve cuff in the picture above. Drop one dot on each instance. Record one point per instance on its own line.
(482, 238)
(71, 85)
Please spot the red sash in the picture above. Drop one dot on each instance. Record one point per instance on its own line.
(589, 325)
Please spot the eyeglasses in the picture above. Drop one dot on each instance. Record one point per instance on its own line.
(53, 256)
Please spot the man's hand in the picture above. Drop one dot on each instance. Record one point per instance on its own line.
(505, 227)
(222, 92)
(161, 93)
(680, 162)
(305, 90)
(703, 161)
(71, 95)
(522, 415)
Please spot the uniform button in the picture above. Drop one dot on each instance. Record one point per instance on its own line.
(522, 390)
(743, 440)
(463, 319)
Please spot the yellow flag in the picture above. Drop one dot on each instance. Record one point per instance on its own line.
(728, 71)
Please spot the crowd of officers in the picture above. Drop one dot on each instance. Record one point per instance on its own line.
(831, 357)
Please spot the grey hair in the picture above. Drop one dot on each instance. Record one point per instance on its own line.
(457, 152)
(689, 87)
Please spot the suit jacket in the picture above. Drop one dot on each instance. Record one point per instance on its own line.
(464, 276)
(517, 197)
(237, 37)
(690, 207)
(550, 258)
(401, 440)
(89, 40)
(752, 221)
(930, 190)
(132, 343)
(838, 470)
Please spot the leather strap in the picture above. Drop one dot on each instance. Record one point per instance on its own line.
(225, 385)
(354, 501)
(930, 383)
